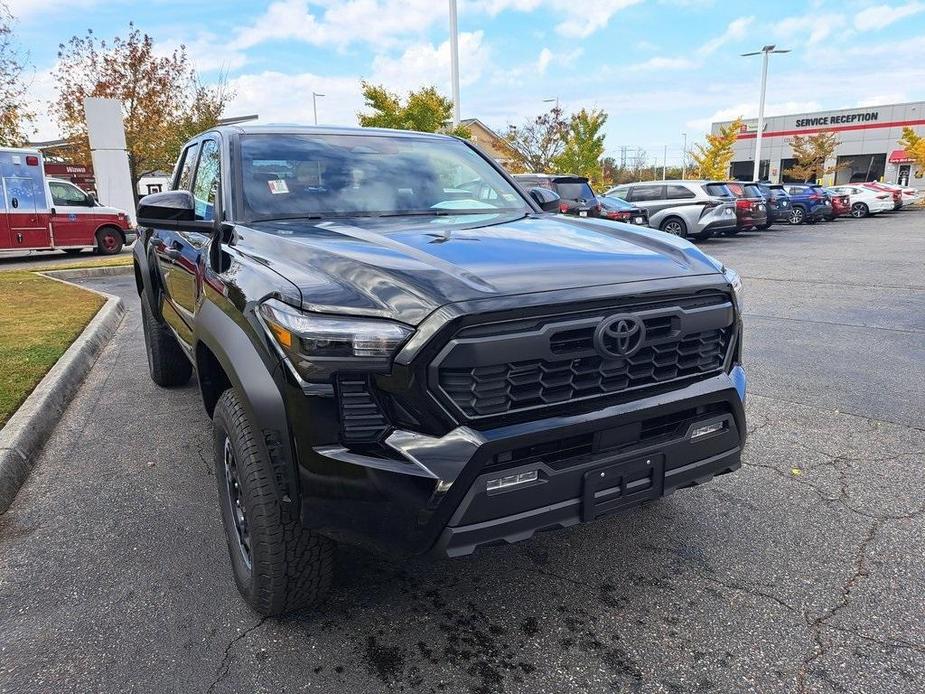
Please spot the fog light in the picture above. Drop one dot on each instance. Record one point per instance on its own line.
(707, 429)
(511, 481)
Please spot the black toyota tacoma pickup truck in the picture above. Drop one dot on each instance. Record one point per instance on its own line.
(400, 347)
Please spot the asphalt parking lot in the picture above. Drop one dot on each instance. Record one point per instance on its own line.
(802, 572)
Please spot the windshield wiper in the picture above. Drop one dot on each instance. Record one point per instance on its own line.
(447, 213)
(315, 216)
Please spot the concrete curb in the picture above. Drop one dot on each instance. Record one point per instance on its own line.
(85, 272)
(23, 435)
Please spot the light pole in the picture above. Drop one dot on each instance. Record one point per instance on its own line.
(552, 100)
(454, 61)
(315, 96)
(766, 50)
(684, 157)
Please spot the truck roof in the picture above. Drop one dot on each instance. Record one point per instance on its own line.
(294, 129)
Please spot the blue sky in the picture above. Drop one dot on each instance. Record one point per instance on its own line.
(658, 67)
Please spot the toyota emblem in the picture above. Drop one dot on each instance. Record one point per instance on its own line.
(619, 336)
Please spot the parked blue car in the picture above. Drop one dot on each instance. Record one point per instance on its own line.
(808, 203)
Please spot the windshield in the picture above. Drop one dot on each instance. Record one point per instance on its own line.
(324, 175)
(612, 203)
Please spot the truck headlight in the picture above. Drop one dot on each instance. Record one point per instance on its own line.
(317, 345)
(737, 288)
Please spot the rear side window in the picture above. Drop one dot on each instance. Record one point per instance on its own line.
(718, 189)
(578, 190)
(679, 192)
(185, 172)
(753, 191)
(645, 193)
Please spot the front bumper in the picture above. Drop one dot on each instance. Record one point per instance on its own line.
(432, 495)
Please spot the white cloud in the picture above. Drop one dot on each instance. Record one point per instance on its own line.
(207, 52)
(286, 98)
(660, 63)
(749, 109)
(564, 59)
(583, 20)
(880, 16)
(41, 91)
(736, 31)
(424, 64)
(816, 27)
(375, 22)
(26, 9)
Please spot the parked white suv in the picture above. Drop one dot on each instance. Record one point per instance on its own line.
(697, 209)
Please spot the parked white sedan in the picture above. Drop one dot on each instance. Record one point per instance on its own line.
(866, 201)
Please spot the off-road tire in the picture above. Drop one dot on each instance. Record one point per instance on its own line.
(290, 566)
(167, 364)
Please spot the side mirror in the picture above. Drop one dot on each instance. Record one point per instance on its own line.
(547, 200)
(172, 209)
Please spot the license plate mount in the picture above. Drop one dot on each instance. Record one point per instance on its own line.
(611, 488)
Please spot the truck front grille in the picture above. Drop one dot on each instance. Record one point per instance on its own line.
(556, 361)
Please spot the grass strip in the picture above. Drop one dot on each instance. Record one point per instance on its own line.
(39, 319)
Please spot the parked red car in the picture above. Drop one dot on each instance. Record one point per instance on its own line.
(841, 203)
(44, 214)
(751, 208)
(897, 194)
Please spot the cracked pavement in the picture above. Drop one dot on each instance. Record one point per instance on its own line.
(802, 572)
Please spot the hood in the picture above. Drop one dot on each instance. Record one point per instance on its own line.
(405, 267)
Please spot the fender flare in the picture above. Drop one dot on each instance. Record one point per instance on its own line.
(248, 373)
(149, 277)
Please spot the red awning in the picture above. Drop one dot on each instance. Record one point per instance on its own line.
(899, 156)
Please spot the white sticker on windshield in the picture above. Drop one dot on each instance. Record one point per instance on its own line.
(278, 186)
(509, 196)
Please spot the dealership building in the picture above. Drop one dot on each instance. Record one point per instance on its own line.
(869, 148)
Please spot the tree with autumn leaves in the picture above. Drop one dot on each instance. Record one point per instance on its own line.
(15, 118)
(163, 101)
(424, 110)
(811, 153)
(712, 159)
(914, 144)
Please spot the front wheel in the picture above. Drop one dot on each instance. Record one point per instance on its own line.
(167, 364)
(278, 564)
(108, 241)
(859, 210)
(675, 227)
(797, 215)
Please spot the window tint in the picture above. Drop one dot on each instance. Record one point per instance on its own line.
(64, 194)
(344, 175)
(736, 189)
(575, 191)
(679, 192)
(619, 192)
(643, 193)
(185, 174)
(207, 180)
(753, 191)
(612, 203)
(718, 189)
